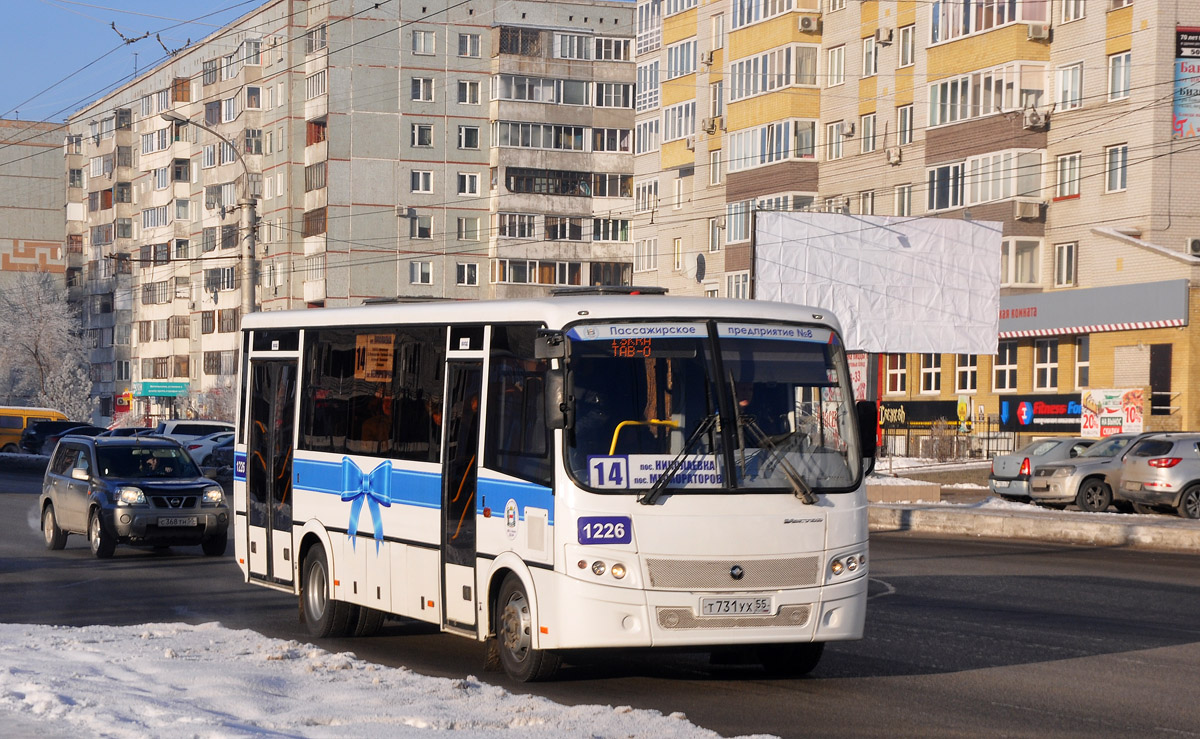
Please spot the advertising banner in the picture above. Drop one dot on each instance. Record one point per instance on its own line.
(1040, 413)
(858, 374)
(917, 414)
(1108, 412)
(1187, 83)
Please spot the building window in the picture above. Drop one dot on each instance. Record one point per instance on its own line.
(677, 254)
(468, 137)
(681, 59)
(1119, 71)
(314, 40)
(421, 227)
(836, 72)
(612, 139)
(422, 89)
(314, 222)
(866, 203)
(1072, 10)
(468, 183)
(645, 255)
(866, 125)
(945, 188)
(314, 177)
(737, 285)
(1068, 176)
(897, 373)
(966, 373)
(908, 46)
(837, 5)
(714, 234)
(315, 132)
(613, 49)
(714, 167)
(1116, 159)
(422, 180)
(870, 57)
(903, 200)
(468, 45)
(468, 229)
(1019, 262)
(1083, 352)
(833, 141)
(904, 124)
(420, 272)
(314, 85)
(468, 92)
(1070, 87)
(1005, 367)
(1064, 265)
(647, 96)
(422, 135)
(424, 42)
(516, 226)
(466, 273)
(1045, 364)
(931, 373)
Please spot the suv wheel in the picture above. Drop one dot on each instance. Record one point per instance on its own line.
(56, 538)
(103, 543)
(215, 546)
(1094, 496)
(1189, 502)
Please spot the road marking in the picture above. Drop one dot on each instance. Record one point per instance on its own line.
(891, 590)
(81, 582)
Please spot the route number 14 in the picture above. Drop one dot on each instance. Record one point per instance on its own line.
(610, 473)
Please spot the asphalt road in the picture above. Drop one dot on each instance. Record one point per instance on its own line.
(964, 638)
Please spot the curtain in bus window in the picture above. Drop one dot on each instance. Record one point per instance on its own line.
(518, 442)
(374, 392)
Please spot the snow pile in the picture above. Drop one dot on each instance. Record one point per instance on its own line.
(173, 680)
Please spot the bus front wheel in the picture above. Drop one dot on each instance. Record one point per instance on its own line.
(790, 660)
(514, 634)
(322, 615)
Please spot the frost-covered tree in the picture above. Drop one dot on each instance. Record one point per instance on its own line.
(218, 403)
(43, 355)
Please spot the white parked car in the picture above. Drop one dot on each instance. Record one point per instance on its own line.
(201, 448)
(185, 430)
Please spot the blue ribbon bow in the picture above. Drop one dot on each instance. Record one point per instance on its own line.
(375, 488)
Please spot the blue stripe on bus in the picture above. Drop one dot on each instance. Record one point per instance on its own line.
(424, 489)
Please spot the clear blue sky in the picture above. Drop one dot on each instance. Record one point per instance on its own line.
(58, 55)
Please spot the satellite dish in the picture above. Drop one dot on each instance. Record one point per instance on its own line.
(699, 268)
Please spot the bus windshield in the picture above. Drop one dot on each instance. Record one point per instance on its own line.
(719, 406)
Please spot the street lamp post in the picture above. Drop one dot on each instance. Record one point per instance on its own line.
(246, 208)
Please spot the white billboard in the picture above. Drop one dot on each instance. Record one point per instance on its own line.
(897, 284)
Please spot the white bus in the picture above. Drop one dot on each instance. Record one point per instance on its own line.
(578, 471)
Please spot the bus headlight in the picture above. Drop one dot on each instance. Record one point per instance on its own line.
(598, 568)
(618, 571)
(847, 564)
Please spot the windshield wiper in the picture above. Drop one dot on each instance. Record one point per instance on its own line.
(778, 457)
(660, 485)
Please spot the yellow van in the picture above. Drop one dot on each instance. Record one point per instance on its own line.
(14, 419)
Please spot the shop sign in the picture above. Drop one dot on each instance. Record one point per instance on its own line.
(1108, 412)
(1040, 413)
(917, 414)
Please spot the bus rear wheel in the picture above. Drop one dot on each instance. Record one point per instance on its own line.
(514, 636)
(790, 660)
(322, 615)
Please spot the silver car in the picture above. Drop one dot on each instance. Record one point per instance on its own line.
(1163, 470)
(1011, 472)
(1087, 480)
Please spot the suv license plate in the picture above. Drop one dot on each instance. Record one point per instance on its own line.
(736, 606)
(178, 521)
(1132, 485)
(1000, 483)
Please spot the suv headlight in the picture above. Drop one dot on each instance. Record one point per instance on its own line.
(214, 495)
(129, 495)
(1062, 471)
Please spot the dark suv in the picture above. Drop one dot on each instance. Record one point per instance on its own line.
(34, 437)
(134, 490)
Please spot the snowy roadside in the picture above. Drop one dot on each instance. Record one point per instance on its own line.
(169, 680)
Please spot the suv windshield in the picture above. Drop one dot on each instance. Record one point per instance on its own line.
(138, 462)
(1110, 447)
(751, 406)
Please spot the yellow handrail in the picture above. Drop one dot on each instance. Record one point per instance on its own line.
(612, 449)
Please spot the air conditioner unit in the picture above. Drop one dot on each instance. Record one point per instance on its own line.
(892, 155)
(1193, 247)
(810, 23)
(1034, 119)
(1039, 31)
(883, 36)
(1027, 210)
(709, 125)
(848, 129)
(706, 58)
(690, 142)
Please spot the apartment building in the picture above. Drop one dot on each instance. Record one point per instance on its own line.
(1065, 120)
(31, 200)
(323, 154)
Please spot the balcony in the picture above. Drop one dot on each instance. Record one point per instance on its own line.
(314, 290)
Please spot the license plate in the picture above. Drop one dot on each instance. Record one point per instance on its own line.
(178, 521)
(736, 607)
(1132, 486)
(1000, 483)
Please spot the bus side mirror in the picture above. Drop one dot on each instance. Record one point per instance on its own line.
(868, 425)
(549, 345)
(555, 400)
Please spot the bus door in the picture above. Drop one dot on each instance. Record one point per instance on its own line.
(269, 469)
(459, 465)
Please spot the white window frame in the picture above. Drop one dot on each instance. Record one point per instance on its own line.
(902, 202)
(1116, 168)
(833, 141)
(931, 373)
(870, 57)
(714, 167)
(1004, 367)
(714, 235)
(463, 137)
(420, 272)
(422, 89)
(966, 373)
(1066, 264)
(904, 124)
(468, 45)
(866, 203)
(908, 46)
(1069, 81)
(955, 177)
(422, 179)
(1067, 175)
(468, 183)
(424, 43)
(866, 133)
(1020, 262)
(1072, 10)
(1045, 364)
(645, 255)
(417, 129)
(737, 285)
(468, 92)
(836, 66)
(1120, 75)
(466, 274)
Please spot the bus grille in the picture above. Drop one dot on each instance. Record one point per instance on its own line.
(675, 617)
(714, 574)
